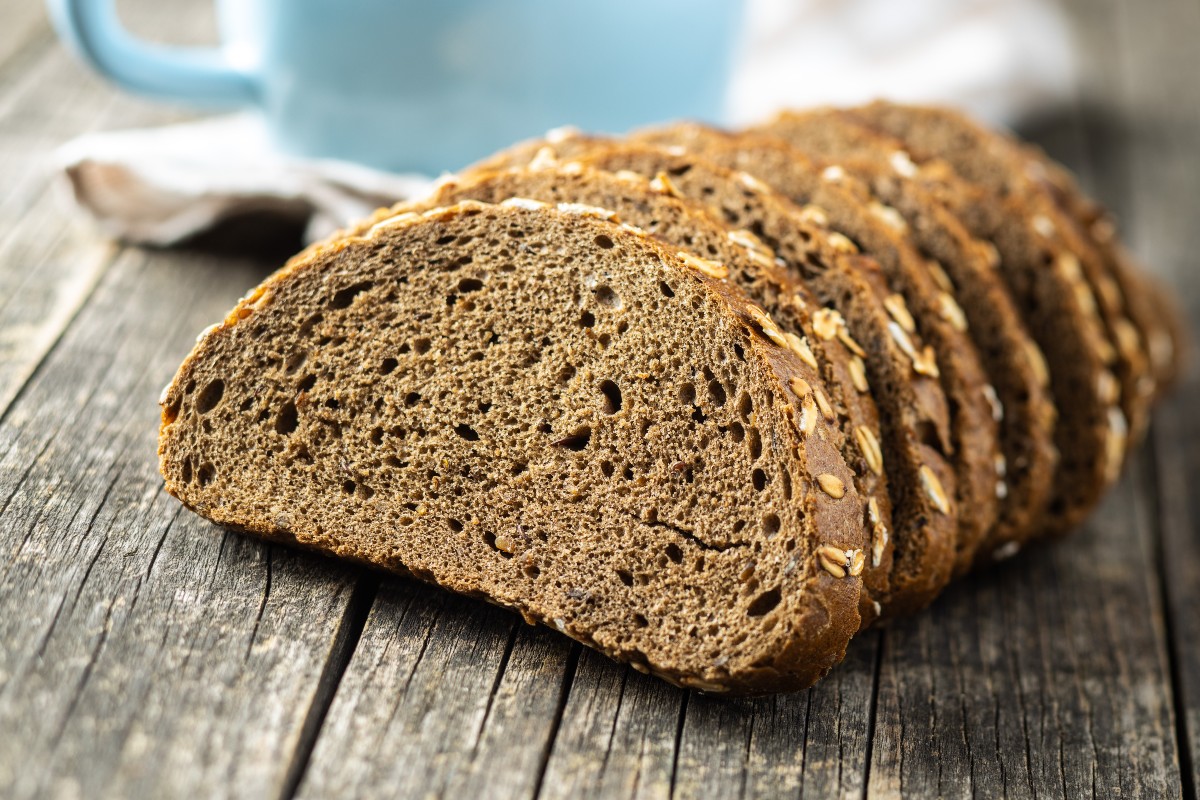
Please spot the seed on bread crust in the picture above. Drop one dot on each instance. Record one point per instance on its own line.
(712, 269)
(933, 490)
(858, 374)
(869, 446)
(799, 346)
(898, 310)
(834, 560)
(832, 485)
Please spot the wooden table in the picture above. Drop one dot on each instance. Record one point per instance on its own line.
(146, 653)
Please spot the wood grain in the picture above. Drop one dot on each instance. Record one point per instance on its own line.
(443, 697)
(144, 652)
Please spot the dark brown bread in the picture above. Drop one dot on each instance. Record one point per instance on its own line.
(746, 262)
(975, 299)
(1001, 166)
(997, 161)
(915, 415)
(508, 402)
(878, 230)
(1091, 433)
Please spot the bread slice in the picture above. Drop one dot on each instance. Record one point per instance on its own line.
(509, 402)
(997, 161)
(1090, 432)
(743, 260)
(976, 299)
(973, 299)
(882, 233)
(914, 409)
(999, 165)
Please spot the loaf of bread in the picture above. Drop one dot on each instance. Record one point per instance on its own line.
(709, 402)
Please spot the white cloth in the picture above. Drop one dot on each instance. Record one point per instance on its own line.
(158, 186)
(998, 59)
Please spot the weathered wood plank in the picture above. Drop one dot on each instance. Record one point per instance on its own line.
(142, 651)
(1159, 106)
(50, 258)
(444, 696)
(1046, 676)
(1176, 439)
(618, 735)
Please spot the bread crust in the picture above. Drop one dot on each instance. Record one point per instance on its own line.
(822, 605)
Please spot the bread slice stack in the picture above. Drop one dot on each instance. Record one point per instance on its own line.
(709, 402)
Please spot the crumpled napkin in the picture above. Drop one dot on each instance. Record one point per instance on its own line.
(998, 59)
(161, 185)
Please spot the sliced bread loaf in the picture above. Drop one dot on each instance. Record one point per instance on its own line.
(1051, 295)
(1001, 166)
(504, 401)
(976, 299)
(900, 368)
(739, 257)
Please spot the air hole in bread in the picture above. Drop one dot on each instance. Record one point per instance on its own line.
(739, 352)
(785, 479)
(388, 366)
(566, 373)
(421, 346)
(604, 242)
(687, 394)
(627, 473)
(344, 297)
(759, 479)
(467, 432)
(468, 285)
(674, 553)
(666, 289)
(306, 384)
(764, 603)
(745, 406)
(518, 468)
(607, 297)
(927, 434)
(455, 525)
(187, 470)
(755, 442)
(587, 319)
(206, 474)
(210, 396)
(287, 419)
(606, 469)
(576, 441)
(737, 432)
(640, 620)
(532, 571)
(295, 362)
(377, 435)
(770, 525)
(411, 399)
(717, 392)
(626, 576)
(349, 486)
(612, 396)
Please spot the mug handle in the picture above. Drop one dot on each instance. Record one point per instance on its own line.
(202, 76)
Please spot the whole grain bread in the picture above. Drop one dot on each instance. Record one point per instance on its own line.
(509, 401)
(973, 299)
(1091, 433)
(1000, 165)
(742, 259)
(901, 369)
(996, 160)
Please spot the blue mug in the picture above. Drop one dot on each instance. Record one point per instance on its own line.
(429, 85)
